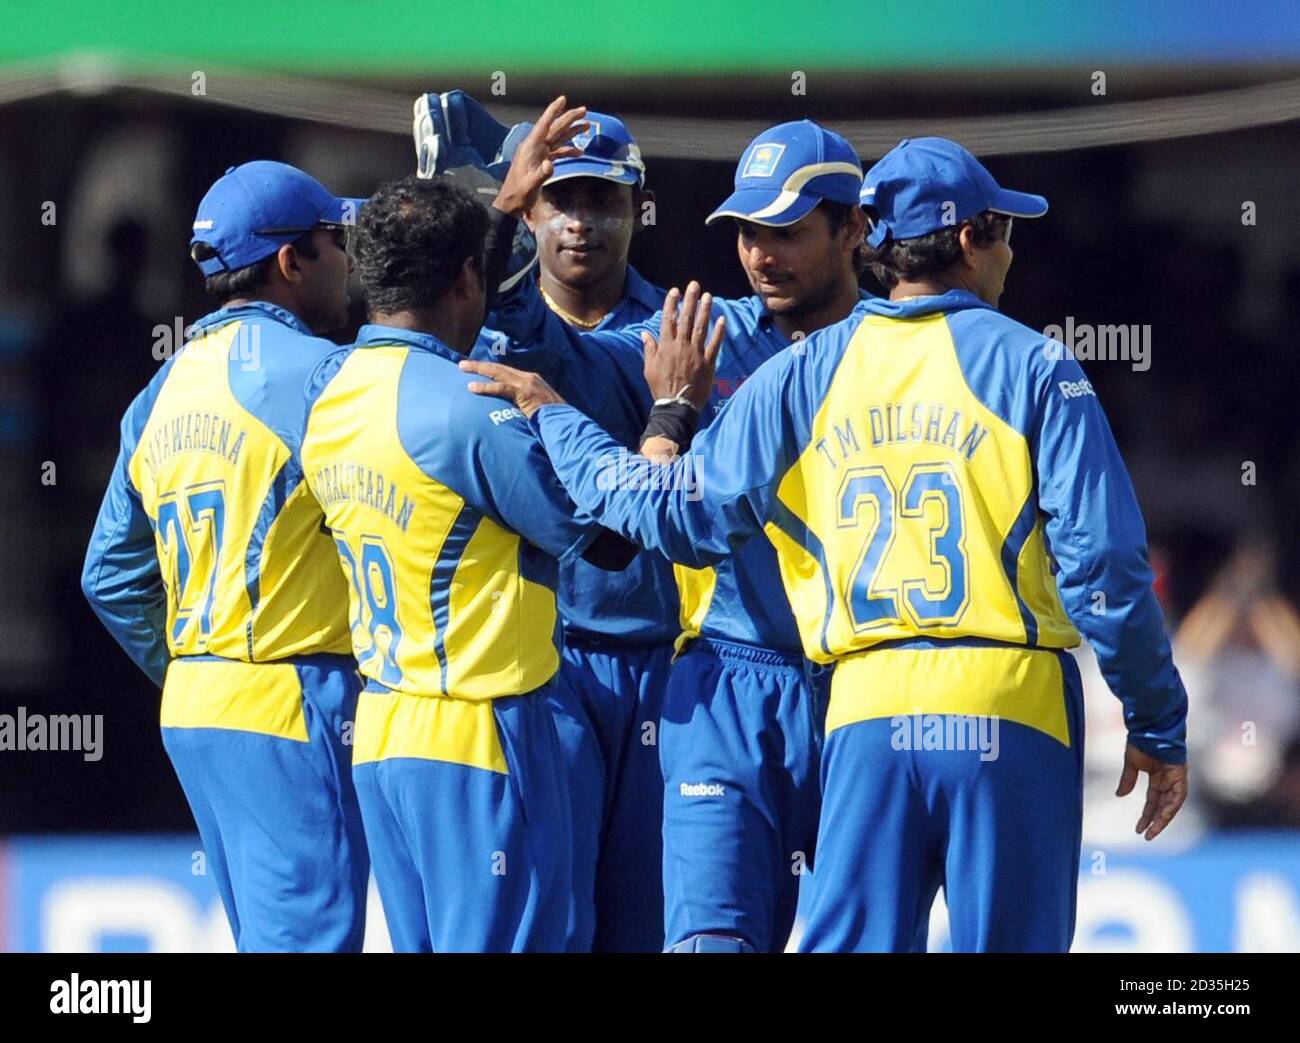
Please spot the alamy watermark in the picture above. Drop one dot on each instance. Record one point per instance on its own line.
(624, 470)
(1108, 343)
(25, 731)
(245, 345)
(946, 731)
(73, 995)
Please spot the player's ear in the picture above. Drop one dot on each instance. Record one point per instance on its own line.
(855, 227)
(966, 237)
(286, 263)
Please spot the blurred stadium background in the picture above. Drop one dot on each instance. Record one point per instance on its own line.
(1167, 138)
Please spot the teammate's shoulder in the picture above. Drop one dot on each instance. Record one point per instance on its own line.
(743, 314)
(643, 295)
(820, 350)
(271, 354)
(1007, 364)
(993, 330)
(326, 369)
(452, 434)
(434, 391)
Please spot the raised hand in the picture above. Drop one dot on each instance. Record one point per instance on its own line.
(683, 359)
(534, 159)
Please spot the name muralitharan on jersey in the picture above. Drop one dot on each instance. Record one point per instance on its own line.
(949, 511)
(248, 572)
(447, 519)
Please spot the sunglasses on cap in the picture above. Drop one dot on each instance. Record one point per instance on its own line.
(334, 226)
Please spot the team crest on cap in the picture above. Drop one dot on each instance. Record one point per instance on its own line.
(762, 161)
(587, 136)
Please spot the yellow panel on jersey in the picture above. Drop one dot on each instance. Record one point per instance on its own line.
(249, 574)
(441, 603)
(1038, 590)
(249, 697)
(1015, 684)
(489, 599)
(928, 484)
(396, 724)
(695, 588)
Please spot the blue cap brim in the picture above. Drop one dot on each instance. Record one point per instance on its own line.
(344, 210)
(1018, 204)
(621, 173)
(764, 207)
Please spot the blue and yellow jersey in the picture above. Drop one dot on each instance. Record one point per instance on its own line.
(639, 604)
(933, 477)
(738, 598)
(208, 542)
(447, 519)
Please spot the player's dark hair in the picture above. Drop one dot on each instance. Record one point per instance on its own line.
(897, 259)
(413, 237)
(245, 282)
(836, 215)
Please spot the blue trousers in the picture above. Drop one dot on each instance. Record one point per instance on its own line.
(468, 857)
(606, 703)
(277, 813)
(740, 746)
(999, 828)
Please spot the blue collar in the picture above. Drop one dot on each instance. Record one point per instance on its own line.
(372, 334)
(638, 289)
(915, 307)
(262, 309)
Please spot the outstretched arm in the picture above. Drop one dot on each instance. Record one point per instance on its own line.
(695, 509)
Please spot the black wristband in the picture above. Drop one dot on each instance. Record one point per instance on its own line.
(675, 421)
(497, 249)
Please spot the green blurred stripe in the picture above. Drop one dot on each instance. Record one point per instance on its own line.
(390, 37)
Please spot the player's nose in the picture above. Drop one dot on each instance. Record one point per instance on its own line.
(578, 221)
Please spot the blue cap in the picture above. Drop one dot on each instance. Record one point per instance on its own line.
(925, 184)
(787, 170)
(254, 209)
(608, 151)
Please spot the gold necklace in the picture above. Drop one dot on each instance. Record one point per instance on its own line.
(572, 320)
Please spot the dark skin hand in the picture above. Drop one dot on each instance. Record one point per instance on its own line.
(534, 159)
(527, 391)
(683, 359)
(1166, 789)
(684, 356)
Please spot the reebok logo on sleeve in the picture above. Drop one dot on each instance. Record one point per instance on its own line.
(504, 416)
(1076, 388)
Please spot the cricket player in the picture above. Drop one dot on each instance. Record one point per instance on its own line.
(450, 527)
(209, 566)
(740, 723)
(951, 512)
(619, 627)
